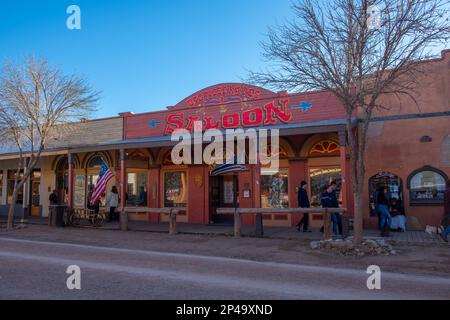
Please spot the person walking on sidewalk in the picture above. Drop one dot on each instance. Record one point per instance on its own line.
(446, 222)
(303, 202)
(383, 208)
(112, 202)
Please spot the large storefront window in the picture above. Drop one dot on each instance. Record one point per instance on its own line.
(427, 186)
(11, 174)
(274, 189)
(137, 189)
(320, 179)
(175, 189)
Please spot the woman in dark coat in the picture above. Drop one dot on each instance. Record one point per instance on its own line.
(303, 202)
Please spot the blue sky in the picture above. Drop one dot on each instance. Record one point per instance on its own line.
(143, 55)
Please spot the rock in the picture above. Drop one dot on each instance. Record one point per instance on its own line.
(371, 243)
(342, 244)
(315, 245)
(348, 248)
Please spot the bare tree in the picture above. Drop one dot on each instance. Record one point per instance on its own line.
(35, 99)
(360, 50)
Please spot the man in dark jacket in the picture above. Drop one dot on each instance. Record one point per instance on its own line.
(303, 202)
(53, 198)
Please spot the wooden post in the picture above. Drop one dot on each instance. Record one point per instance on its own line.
(237, 223)
(123, 220)
(70, 182)
(173, 221)
(343, 164)
(326, 224)
(123, 177)
(259, 230)
(123, 185)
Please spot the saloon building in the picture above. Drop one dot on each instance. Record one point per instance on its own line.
(408, 151)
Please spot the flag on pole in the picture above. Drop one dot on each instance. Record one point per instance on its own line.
(104, 176)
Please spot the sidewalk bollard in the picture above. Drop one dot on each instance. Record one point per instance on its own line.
(237, 223)
(173, 222)
(123, 220)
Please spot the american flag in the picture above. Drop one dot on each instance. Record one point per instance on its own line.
(104, 176)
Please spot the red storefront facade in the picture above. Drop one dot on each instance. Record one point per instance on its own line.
(312, 148)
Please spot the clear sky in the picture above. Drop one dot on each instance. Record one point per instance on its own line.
(143, 55)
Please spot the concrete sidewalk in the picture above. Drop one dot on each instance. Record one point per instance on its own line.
(290, 233)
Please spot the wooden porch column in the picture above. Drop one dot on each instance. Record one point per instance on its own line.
(123, 182)
(343, 164)
(259, 229)
(123, 186)
(70, 181)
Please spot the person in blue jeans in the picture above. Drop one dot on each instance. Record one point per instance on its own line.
(383, 209)
(446, 221)
(329, 199)
(445, 234)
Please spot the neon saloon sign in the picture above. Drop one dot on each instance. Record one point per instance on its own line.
(271, 113)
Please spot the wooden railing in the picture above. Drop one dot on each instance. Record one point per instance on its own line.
(237, 212)
(171, 212)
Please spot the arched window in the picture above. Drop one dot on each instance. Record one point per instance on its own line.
(427, 186)
(95, 162)
(325, 147)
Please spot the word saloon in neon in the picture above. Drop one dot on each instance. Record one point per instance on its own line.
(271, 113)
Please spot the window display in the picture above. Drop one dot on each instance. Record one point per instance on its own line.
(274, 189)
(175, 189)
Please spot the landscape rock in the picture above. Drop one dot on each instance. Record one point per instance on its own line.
(347, 247)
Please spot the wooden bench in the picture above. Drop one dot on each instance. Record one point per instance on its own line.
(171, 212)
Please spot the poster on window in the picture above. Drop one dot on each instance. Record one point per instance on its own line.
(79, 199)
(228, 192)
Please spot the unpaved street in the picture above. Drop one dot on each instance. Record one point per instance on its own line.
(35, 268)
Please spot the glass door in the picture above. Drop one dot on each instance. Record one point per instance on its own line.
(35, 193)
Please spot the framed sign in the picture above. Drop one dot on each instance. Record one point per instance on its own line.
(79, 199)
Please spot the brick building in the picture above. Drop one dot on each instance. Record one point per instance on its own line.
(408, 151)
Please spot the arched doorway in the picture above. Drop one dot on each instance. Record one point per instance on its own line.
(92, 170)
(62, 178)
(394, 185)
(324, 165)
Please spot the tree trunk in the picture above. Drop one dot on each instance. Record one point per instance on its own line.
(358, 218)
(12, 205)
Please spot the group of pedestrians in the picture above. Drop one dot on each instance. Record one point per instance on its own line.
(112, 202)
(328, 199)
